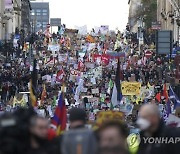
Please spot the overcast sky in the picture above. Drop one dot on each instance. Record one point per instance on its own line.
(90, 12)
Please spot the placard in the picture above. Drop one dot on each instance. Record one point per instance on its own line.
(131, 88)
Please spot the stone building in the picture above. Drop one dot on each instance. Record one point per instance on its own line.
(168, 14)
(134, 6)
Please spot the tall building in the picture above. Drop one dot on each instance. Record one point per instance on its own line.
(25, 16)
(134, 7)
(168, 14)
(39, 15)
(10, 18)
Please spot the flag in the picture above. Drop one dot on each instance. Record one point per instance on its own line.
(80, 66)
(168, 108)
(60, 116)
(165, 93)
(60, 75)
(173, 96)
(148, 85)
(158, 97)
(117, 94)
(33, 85)
(44, 94)
(110, 86)
(90, 39)
(54, 101)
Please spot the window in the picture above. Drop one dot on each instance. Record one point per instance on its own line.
(44, 12)
(38, 12)
(38, 24)
(33, 12)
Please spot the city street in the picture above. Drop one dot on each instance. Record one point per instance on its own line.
(89, 77)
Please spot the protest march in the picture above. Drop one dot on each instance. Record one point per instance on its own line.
(88, 92)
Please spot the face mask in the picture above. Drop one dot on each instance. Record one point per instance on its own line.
(143, 123)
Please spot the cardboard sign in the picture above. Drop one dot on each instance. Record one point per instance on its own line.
(109, 115)
(131, 88)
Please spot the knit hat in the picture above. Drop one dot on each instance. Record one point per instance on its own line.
(76, 114)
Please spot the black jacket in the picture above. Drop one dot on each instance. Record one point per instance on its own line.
(166, 136)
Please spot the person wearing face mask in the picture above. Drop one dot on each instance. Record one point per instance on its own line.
(152, 127)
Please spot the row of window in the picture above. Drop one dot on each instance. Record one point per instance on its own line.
(39, 12)
(41, 24)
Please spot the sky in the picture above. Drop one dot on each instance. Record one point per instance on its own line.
(90, 12)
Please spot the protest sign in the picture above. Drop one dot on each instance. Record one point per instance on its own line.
(173, 120)
(89, 65)
(95, 91)
(54, 47)
(88, 96)
(109, 115)
(131, 88)
(93, 100)
(41, 112)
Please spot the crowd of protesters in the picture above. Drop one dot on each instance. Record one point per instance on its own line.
(85, 64)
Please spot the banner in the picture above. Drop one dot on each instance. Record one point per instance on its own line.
(131, 88)
(104, 116)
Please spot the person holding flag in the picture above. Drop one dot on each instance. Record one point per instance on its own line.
(116, 94)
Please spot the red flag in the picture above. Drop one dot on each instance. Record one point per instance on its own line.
(60, 75)
(158, 97)
(105, 59)
(165, 93)
(80, 66)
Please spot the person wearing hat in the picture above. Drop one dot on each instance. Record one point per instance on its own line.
(77, 118)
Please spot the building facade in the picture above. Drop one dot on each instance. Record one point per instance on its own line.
(25, 18)
(168, 14)
(39, 15)
(10, 18)
(134, 7)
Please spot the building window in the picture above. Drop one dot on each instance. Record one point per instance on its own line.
(38, 24)
(33, 12)
(44, 24)
(38, 12)
(44, 12)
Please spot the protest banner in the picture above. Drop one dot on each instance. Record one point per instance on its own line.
(105, 116)
(131, 88)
